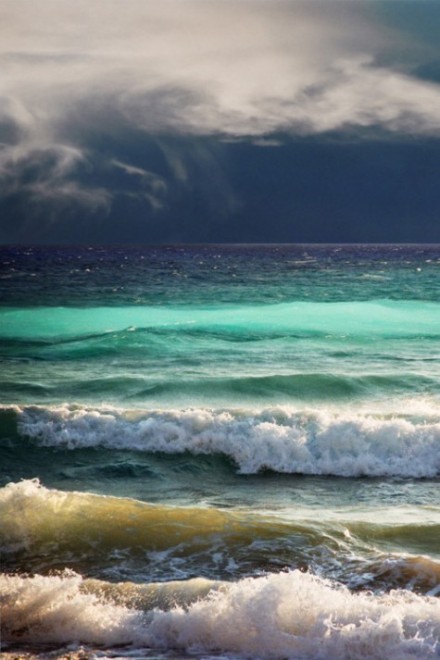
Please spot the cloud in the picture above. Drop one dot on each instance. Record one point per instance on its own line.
(152, 187)
(43, 174)
(232, 68)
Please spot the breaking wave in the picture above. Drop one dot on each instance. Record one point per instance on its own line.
(313, 442)
(116, 539)
(289, 615)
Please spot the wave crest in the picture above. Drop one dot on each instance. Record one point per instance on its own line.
(301, 442)
(287, 615)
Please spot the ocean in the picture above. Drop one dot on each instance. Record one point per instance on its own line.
(220, 451)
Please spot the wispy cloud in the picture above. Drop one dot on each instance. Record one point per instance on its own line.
(43, 173)
(151, 186)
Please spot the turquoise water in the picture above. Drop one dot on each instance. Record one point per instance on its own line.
(220, 450)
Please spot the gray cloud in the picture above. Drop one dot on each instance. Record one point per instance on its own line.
(241, 68)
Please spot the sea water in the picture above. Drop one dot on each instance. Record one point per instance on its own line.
(220, 451)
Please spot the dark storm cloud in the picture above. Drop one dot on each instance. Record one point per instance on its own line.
(110, 104)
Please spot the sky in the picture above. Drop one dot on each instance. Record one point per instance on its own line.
(192, 121)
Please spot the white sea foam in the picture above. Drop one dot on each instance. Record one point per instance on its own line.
(307, 442)
(290, 615)
(53, 609)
